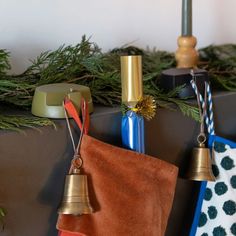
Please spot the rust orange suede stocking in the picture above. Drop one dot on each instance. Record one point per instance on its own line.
(131, 193)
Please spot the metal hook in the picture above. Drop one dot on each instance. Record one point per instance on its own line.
(83, 124)
(76, 149)
(68, 126)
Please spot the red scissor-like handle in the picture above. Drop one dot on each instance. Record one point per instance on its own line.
(71, 110)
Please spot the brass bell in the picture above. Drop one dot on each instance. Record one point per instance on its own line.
(200, 168)
(75, 199)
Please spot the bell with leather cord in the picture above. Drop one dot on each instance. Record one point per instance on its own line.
(75, 199)
(200, 168)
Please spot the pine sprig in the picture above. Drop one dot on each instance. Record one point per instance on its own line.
(2, 216)
(167, 101)
(4, 61)
(220, 62)
(16, 123)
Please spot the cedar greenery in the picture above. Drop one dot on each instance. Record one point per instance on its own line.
(220, 62)
(15, 123)
(85, 64)
(2, 215)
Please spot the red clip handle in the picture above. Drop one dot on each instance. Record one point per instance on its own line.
(71, 110)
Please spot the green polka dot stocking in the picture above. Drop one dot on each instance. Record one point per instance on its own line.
(218, 212)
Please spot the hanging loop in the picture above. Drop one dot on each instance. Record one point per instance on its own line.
(201, 138)
(77, 160)
(207, 103)
(76, 164)
(202, 107)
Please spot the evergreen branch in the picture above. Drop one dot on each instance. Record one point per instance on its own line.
(220, 61)
(4, 61)
(85, 64)
(188, 109)
(16, 123)
(2, 216)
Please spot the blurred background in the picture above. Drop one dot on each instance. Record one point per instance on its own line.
(29, 27)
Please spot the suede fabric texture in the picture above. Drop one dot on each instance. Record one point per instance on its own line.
(131, 193)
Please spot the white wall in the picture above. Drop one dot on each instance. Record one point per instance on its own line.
(28, 27)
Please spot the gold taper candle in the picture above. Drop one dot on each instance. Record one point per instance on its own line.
(131, 79)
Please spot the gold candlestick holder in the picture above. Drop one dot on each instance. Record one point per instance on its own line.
(186, 60)
(186, 55)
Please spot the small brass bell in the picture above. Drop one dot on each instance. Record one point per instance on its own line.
(75, 199)
(200, 168)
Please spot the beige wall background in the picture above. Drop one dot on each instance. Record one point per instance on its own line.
(28, 27)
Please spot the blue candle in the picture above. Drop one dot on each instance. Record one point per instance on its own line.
(186, 17)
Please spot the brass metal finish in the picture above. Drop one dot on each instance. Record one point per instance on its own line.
(200, 166)
(186, 55)
(75, 200)
(131, 79)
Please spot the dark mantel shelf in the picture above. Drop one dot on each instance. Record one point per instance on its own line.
(33, 165)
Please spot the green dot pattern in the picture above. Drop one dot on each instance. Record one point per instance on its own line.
(219, 147)
(233, 229)
(229, 207)
(233, 181)
(219, 231)
(227, 163)
(221, 188)
(219, 196)
(215, 170)
(202, 220)
(212, 212)
(208, 194)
